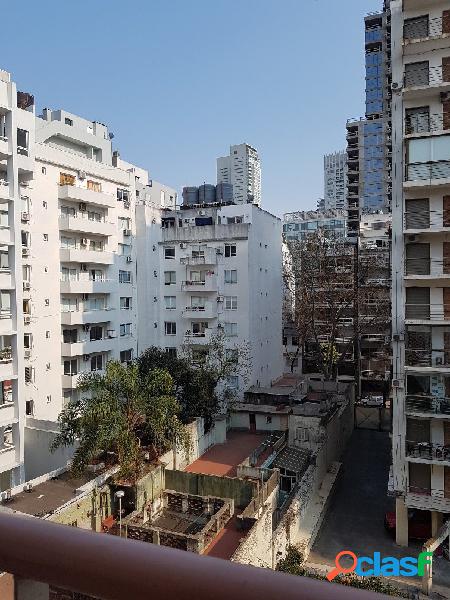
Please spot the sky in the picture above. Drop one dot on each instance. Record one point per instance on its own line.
(179, 81)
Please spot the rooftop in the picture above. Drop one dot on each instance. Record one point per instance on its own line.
(223, 459)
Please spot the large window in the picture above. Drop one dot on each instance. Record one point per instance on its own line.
(170, 277)
(230, 329)
(71, 367)
(170, 302)
(125, 329)
(124, 276)
(126, 355)
(230, 302)
(169, 253)
(230, 250)
(97, 362)
(125, 303)
(170, 328)
(230, 276)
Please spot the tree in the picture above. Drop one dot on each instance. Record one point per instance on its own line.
(200, 374)
(122, 411)
(337, 298)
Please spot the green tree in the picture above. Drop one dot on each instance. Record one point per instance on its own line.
(122, 411)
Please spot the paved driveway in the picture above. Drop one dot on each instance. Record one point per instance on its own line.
(355, 516)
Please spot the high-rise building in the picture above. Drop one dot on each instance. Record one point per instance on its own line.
(334, 180)
(241, 169)
(217, 269)
(298, 225)
(421, 260)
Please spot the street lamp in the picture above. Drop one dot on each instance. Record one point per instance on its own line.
(120, 494)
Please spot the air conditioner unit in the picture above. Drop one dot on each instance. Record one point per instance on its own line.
(27, 353)
(26, 285)
(396, 87)
(183, 245)
(85, 357)
(129, 259)
(25, 216)
(27, 319)
(219, 298)
(83, 267)
(81, 175)
(84, 241)
(25, 252)
(82, 206)
(127, 232)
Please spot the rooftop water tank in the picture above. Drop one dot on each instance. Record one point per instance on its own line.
(207, 194)
(224, 192)
(190, 195)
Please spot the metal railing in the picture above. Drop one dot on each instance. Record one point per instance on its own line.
(427, 312)
(421, 29)
(427, 404)
(426, 123)
(427, 450)
(428, 170)
(427, 266)
(427, 357)
(114, 568)
(426, 76)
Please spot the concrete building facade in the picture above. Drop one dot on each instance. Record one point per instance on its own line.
(241, 169)
(421, 280)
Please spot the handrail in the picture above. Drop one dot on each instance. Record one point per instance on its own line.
(114, 568)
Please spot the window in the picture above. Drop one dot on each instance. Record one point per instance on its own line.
(96, 245)
(126, 355)
(169, 253)
(94, 186)
(125, 303)
(96, 333)
(22, 142)
(199, 328)
(171, 352)
(415, 28)
(125, 249)
(25, 239)
(97, 362)
(45, 235)
(125, 329)
(6, 392)
(68, 121)
(124, 223)
(70, 336)
(122, 194)
(5, 303)
(95, 216)
(233, 220)
(66, 243)
(417, 74)
(230, 250)
(230, 329)
(4, 258)
(71, 367)
(230, 276)
(230, 302)
(170, 302)
(27, 341)
(124, 276)
(302, 434)
(170, 328)
(97, 303)
(170, 277)
(4, 218)
(233, 381)
(66, 179)
(29, 408)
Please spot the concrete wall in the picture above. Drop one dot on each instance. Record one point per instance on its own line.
(38, 458)
(240, 490)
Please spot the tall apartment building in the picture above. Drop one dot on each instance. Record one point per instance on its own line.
(216, 268)
(241, 169)
(334, 180)
(16, 171)
(369, 146)
(421, 259)
(298, 225)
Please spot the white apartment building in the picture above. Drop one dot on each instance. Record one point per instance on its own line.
(241, 169)
(421, 259)
(16, 171)
(334, 180)
(216, 268)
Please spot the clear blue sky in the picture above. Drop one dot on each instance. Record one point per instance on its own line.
(178, 81)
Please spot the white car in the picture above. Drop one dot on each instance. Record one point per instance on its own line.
(372, 401)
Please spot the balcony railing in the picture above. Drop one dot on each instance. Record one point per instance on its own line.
(427, 358)
(427, 312)
(114, 568)
(429, 220)
(427, 404)
(427, 450)
(421, 29)
(426, 123)
(428, 170)
(426, 76)
(427, 266)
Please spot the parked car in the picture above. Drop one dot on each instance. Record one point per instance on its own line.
(372, 400)
(419, 524)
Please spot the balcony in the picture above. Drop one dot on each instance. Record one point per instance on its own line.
(7, 458)
(427, 174)
(7, 413)
(427, 452)
(427, 499)
(423, 123)
(82, 224)
(207, 311)
(4, 189)
(426, 269)
(424, 32)
(427, 406)
(87, 346)
(208, 285)
(79, 317)
(6, 364)
(436, 359)
(418, 314)
(5, 152)
(433, 221)
(424, 81)
(206, 257)
(75, 559)
(79, 194)
(86, 285)
(81, 255)
(199, 339)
